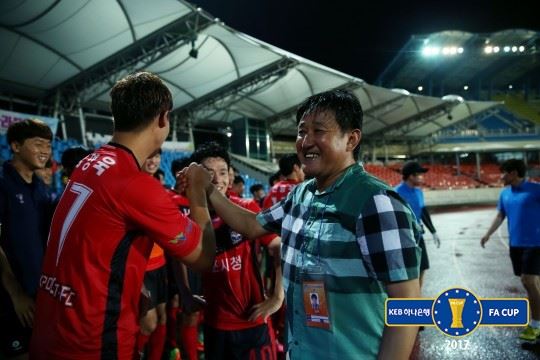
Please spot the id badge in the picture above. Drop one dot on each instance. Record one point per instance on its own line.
(315, 298)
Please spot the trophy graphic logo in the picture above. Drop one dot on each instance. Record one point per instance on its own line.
(456, 307)
(457, 312)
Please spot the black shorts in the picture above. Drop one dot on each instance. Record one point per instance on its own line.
(253, 343)
(424, 261)
(525, 260)
(155, 282)
(14, 338)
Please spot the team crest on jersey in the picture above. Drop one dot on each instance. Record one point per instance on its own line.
(235, 237)
(179, 238)
(20, 197)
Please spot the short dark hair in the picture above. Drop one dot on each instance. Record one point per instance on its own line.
(27, 129)
(208, 150)
(72, 156)
(137, 99)
(238, 179)
(342, 103)
(255, 187)
(514, 165)
(287, 162)
(274, 177)
(179, 164)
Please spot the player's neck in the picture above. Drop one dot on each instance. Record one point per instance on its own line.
(138, 142)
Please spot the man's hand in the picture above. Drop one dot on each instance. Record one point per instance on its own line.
(193, 176)
(24, 308)
(437, 240)
(484, 240)
(267, 307)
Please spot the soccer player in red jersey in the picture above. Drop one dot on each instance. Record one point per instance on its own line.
(104, 228)
(237, 309)
(291, 168)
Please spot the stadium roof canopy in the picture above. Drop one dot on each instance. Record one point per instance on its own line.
(465, 63)
(69, 53)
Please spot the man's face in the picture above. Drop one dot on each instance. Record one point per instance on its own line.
(417, 179)
(259, 194)
(151, 165)
(238, 188)
(220, 172)
(33, 152)
(322, 146)
(508, 178)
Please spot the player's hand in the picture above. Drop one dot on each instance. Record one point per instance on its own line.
(437, 240)
(24, 308)
(484, 240)
(198, 176)
(266, 308)
(181, 181)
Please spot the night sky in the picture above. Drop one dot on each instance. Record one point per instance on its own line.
(360, 37)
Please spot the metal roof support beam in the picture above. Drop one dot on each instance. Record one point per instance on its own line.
(136, 56)
(420, 117)
(277, 68)
(290, 112)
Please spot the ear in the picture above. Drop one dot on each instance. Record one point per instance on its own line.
(15, 147)
(163, 119)
(354, 139)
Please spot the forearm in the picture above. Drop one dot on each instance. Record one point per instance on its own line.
(199, 213)
(397, 342)
(495, 224)
(239, 219)
(426, 219)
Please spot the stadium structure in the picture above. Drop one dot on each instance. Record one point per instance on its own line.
(457, 101)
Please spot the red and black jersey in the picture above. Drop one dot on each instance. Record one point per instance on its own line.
(100, 239)
(234, 284)
(278, 192)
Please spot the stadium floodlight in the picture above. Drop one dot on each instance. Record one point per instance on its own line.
(521, 48)
(510, 87)
(488, 49)
(431, 51)
(514, 48)
(460, 50)
(453, 50)
(466, 87)
(496, 49)
(446, 50)
(506, 49)
(420, 88)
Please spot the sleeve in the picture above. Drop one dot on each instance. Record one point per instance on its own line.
(500, 204)
(272, 218)
(388, 236)
(426, 219)
(154, 211)
(253, 206)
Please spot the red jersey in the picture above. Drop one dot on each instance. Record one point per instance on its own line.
(234, 285)
(99, 243)
(278, 192)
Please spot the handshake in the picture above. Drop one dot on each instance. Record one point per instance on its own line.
(193, 178)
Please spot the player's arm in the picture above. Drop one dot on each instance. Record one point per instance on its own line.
(397, 342)
(274, 301)
(22, 303)
(202, 257)
(494, 226)
(239, 219)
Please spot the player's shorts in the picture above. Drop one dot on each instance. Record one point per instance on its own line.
(155, 282)
(525, 260)
(252, 343)
(424, 260)
(14, 338)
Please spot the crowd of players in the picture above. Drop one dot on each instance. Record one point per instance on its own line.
(127, 269)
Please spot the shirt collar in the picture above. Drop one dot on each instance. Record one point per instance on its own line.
(354, 169)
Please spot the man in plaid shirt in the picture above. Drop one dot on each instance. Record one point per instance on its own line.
(347, 237)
